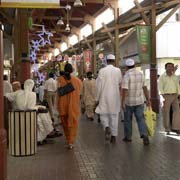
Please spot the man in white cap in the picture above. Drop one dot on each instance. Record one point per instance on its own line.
(108, 97)
(133, 91)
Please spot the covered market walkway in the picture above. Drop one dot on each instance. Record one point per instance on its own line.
(94, 159)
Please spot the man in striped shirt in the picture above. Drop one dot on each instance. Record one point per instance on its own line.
(133, 91)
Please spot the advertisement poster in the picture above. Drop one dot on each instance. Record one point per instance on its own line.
(144, 43)
(87, 56)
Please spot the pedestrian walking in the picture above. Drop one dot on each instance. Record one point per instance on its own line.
(108, 87)
(88, 96)
(50, 87)
(68, 105)
(133, 91)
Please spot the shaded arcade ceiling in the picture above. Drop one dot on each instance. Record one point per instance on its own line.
(77, 16)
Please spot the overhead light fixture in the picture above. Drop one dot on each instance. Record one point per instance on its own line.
(67, 28)
(77, 3)
(68, 8)
(60, 22)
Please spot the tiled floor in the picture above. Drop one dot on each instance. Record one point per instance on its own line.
(93, 158)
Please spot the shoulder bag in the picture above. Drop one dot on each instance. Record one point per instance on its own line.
(65, 89)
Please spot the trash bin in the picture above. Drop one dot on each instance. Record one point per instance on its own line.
(22, 132)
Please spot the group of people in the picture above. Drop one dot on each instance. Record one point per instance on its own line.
(25, 99)
(116, 95)
(108, 95)
(112, 94)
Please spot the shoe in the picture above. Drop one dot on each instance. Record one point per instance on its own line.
(145, 140)
(125, 139)
(54, 134)
(167, 132)
(91, 119)
(176, 131)
(99, 120)
(113, 139)
(107, 133)
(40, 143)
(70, 146)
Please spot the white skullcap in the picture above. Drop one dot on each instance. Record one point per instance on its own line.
(110, 57)
(16, 82)
(129, 62)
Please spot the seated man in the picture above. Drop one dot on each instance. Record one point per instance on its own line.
(26, 100)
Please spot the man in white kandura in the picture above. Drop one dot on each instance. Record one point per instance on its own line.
(108, 85)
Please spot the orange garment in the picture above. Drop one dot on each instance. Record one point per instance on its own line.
(69, 108)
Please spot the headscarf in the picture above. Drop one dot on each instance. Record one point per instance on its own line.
(28, 85)
(27, 99)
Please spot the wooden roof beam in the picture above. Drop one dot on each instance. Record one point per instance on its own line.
(88, 44)
(125, 38)
(121, 26)
(77, 32)
(6, 16)
(66, 40)
(108, 32)
(88, 1)
(113, 5)
(158, 6)
(56, 18)
(145, 18)
(90, 20)
(167, 17)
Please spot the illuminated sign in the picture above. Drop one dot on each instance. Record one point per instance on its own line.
(30, 3)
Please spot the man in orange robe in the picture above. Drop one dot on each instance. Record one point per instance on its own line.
(69, 105)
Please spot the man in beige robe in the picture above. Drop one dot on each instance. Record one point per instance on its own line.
(88, 96)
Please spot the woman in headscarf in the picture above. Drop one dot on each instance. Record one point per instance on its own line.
(69, 105)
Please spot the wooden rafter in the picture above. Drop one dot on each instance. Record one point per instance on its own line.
(86, 41)
(121, 26)
(125, 38)
(88, 1)
(145, 18)
(167, 17)
(6, 16)
(56, 18)
(109, 34)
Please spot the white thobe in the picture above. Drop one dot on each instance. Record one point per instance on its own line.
(44, 125)
(108, 95)
(107, 90)
(22, 101)
(41, 93)
(28, 102)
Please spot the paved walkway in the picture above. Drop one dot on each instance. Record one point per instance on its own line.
(93, 159)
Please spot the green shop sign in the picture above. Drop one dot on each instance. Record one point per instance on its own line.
(144, 43)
